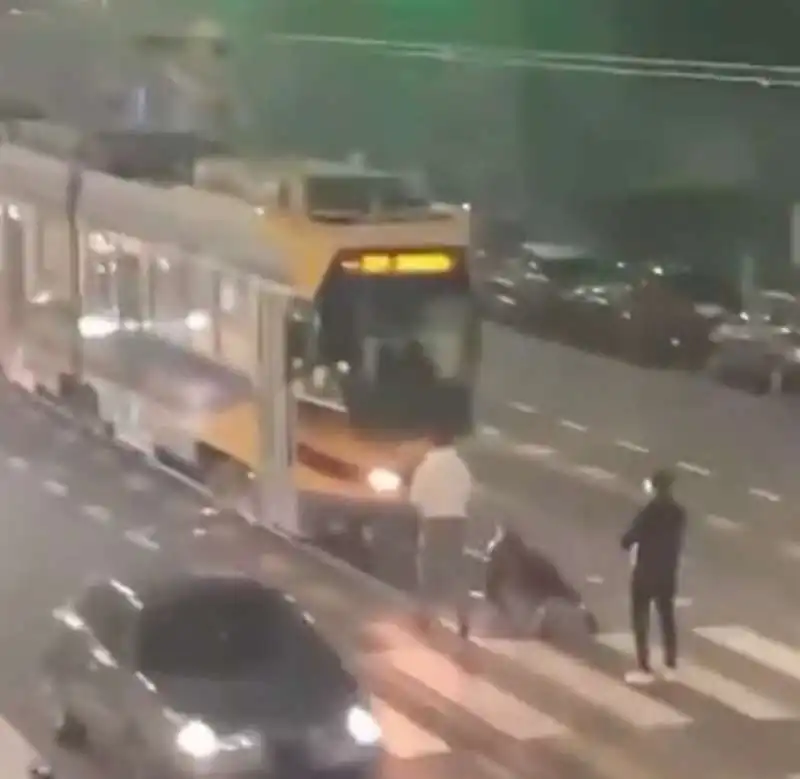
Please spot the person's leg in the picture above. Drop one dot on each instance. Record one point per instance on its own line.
(640, 619)
(665, 605)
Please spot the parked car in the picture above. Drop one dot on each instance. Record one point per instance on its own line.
(670, 313)
(203, 674)
(760, 350)
(534, 289)
(646, 313)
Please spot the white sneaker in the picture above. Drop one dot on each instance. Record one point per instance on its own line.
(669, 674)
(639, 678)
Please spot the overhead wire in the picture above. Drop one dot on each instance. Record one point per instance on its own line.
(747, 73)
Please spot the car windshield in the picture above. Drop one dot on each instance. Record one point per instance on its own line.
(216, 632)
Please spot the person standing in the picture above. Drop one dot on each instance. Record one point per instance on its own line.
(440, 491)
(655, 542)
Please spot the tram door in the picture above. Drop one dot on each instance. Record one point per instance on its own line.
(13, 272)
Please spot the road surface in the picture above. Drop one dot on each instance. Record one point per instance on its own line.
(498, 708)
(73, 507)
(739, 453)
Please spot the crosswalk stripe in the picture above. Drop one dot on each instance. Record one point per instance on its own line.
(766, 652)
(709, 683)
(469, 692)
(599, 689)
(16, 754)
(403, 738)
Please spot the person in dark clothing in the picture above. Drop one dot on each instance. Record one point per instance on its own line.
(520, 580)
(655, 542)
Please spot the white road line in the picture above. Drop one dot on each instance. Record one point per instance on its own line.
(771, 654)
(403, 738)
(489, 431)
(602, 691)
(55, 488)
(18, 463)
(571, 425)
(593, 472)
(772, 497)
(525, 408)
(138, 483)
(98, 513)
(17, 754)
(533, 450)
(710, 684)
(723, 523)
(142, 539)
(472, 693)
(631, 446)
(791, 550)
(694, 468)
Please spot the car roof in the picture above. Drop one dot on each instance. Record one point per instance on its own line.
(162, 588)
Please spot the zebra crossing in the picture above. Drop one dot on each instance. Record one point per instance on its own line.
(700, 693)
(436, 696)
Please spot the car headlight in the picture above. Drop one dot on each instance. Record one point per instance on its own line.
(383, 480)
(197, 740)
(347, 740)
(362, 727)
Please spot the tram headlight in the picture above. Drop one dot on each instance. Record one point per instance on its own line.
(384, 481)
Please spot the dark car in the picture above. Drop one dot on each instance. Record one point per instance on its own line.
(535, 288)
(759, 350)
(205, 674)
(670, 313)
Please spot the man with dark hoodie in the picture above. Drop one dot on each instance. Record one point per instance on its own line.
(655, 542)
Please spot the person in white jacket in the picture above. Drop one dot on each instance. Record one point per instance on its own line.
(440, 491)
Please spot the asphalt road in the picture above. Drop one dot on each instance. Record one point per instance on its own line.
(73, 508)
(738, 454)
(495, 709)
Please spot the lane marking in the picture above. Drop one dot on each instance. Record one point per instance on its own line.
(403, 738)
(631, 446)
(772, 497)
(699, 470)
(571, 425)
(593, 472)
(533, 450)
(489, 431)
(723, 523)
(477, 554)
(745, 642)
(98, 513)
(525, 408)
(138, 483)
(142, 539)
(792, 550)
(467, 691)
(18, 463)
(711, 684)
(55, 488)
(602, 691)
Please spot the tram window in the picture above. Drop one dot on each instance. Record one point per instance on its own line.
(99, 269)
(49, 265)
(129, 288)
(300, 331)
(200, 319)
(171, 279)
(237, 316)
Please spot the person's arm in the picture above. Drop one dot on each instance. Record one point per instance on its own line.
(633, 535)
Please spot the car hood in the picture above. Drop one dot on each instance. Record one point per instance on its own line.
(282, 697)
